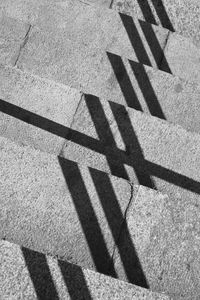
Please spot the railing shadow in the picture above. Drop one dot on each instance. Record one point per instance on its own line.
(160, 11)
(117, 158)
(143, 82)
(138, 46)
(43, 282)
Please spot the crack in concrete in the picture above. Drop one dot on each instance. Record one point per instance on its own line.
(132, 193)
(23, 44)
(72, 122)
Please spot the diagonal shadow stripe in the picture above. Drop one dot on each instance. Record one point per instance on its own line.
(104, 133)
(144, 85)
(147, 11)
(96, 145)
(130, 140)
(157, 51)
(162, 14)
(75, 281)
(42, 280)
(124, 81)
(40, 275)
(135, 39)
(147, 90)
(86, 215)
(109, 202)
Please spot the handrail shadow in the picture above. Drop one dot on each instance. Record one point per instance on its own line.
(117, 158)
(43, 282)
(143, 82)
(138, 46)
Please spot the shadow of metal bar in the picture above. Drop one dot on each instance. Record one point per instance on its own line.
(105, 134)
(75, 281)
(133, 147)
(156, 49)
(147, 90)
(114, 216)
(162, 14)
(96, 145)
(86, 215)
(124, 81)
(135, 39)
(40, 275)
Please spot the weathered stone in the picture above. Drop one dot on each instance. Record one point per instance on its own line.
(181, 16)
(26, 274)
(55, 206)
(89, 26)
(167, 240)
(12, 36)
(183, 57)
(23, 97)
(158, 154)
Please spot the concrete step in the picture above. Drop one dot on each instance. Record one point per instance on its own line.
(132, 145)
(26, 274)
(180, 16)
(99, 222)
(51, 205)
(151, 91)
(99, 133)
(81, 34)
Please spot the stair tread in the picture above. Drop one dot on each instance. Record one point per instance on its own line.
(41, 209)
(26, 274)
(96, 29)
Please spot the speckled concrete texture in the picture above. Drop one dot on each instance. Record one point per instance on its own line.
(137, 147)
(23, 97)
(166, 236)
(53, 205)
(26, 274)
(12, 35)
(91, 26)
(183, 57)
(182, 16)
(104, 3)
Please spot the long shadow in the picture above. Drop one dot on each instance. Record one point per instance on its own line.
(143, 82)
(86, 215)
(97, 146)
(160, 10)
(124, 81)
(137, 44)
(42, 280)
(40, 275)
(162, 14)
(105, 136)
(114, 216)
(133, 156)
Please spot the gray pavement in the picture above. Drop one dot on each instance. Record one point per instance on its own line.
(26, 274)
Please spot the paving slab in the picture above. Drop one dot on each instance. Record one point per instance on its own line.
(135, 146)
(180, 16)
(12, 36)
(38, 102)
(95, 27)
(166, 236)
(55, 103)
(26, 274)
(183, 58)
(52, 205)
